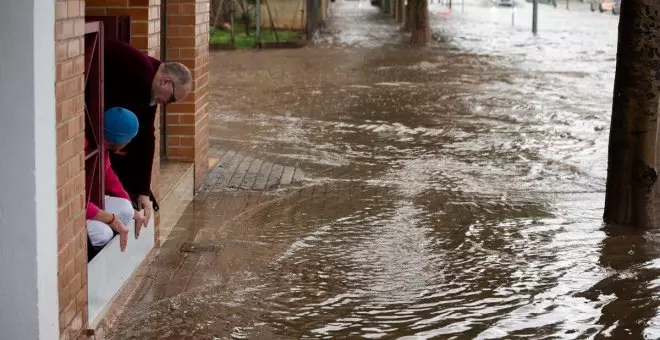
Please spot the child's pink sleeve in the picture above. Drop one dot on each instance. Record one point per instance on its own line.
(113, 186)
(92, 210)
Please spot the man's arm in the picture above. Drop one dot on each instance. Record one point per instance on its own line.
(140, 161)
(142, 156)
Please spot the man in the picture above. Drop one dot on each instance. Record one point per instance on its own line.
(137, 82)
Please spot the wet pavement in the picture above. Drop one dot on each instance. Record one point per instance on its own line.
(452, 192)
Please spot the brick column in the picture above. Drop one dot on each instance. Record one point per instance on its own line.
(70, 120)
(187, 122)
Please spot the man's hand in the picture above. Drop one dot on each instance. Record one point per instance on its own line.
(118, 226)
(143, 202)
(139, 222)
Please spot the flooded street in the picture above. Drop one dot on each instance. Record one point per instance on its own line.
(452, 192)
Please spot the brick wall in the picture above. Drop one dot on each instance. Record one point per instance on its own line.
(187, 121)
(145, 20)
(72, 236)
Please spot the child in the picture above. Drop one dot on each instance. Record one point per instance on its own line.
(119, 127)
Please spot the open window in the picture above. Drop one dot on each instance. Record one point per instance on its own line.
(108, 268)
(97, 30)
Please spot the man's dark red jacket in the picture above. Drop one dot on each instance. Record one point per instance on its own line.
(128, 75)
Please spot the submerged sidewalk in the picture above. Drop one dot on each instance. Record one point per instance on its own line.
(219, 244)
(366, 189)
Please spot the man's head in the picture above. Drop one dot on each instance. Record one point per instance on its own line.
(172, 83)
(120, 126)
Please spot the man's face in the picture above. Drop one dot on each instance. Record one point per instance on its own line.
(166, 92)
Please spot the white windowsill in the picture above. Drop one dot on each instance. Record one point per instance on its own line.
(110, 269)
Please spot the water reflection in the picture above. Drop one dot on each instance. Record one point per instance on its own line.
(632, 260)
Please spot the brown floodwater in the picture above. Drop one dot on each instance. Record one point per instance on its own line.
(452, 192)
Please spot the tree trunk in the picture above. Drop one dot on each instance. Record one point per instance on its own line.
(401, 10)
(632, 174)
(394, 6)
(409, 16)
(395, 10)
(421, 32)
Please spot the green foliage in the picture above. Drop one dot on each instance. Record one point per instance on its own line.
(242, 40)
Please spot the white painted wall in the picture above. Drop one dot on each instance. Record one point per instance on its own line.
(28, 199)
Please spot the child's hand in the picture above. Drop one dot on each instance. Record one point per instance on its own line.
(118, 226)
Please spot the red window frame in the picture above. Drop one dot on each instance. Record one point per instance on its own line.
(97, 29)
(94, 104)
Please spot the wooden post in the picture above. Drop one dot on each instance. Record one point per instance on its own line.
(257, 22)
(535, 16)
(632, 174)
(233, 12)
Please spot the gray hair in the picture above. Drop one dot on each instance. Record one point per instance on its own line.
(178, 71)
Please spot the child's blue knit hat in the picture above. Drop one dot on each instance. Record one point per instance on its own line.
(119, 125)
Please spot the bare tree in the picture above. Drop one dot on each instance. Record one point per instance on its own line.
(632, 159)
